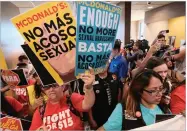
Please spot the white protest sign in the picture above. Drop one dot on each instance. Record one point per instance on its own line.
(178, 123)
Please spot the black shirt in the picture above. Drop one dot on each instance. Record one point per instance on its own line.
(106, 97)
(131, 122)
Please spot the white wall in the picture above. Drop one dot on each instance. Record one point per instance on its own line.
(23, 10)
(152, 30)
(137, 15)
(11, 39)
(134, 30)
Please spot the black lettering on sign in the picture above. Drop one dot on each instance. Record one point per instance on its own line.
(44, 43)
(68, 18)
(59, 22)
(85, 58)
(37, 46)
(50, 25)
(85, 29)
(62, 34)
(43, 56)
(50, 53)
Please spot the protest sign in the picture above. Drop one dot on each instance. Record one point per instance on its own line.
(3, 64)
(50, 32)
(13, 124)
(45, 76)
(97, 25)
(174, 124)
(14, 77)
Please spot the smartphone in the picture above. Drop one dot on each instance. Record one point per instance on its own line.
(174, 52)
(164, 31)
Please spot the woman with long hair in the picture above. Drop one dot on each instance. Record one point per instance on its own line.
(36, 95)
(159, 66)
(142, 105)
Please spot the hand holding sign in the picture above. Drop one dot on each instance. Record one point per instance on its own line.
(38, 102)
(11, 87)
(88, 78)
(3, 89)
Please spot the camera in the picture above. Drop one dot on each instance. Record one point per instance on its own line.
(144, 45)
(148, 3)
(129, 46)
(173, 52)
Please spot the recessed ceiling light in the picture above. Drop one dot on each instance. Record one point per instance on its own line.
(150, 7)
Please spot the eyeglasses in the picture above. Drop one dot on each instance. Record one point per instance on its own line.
(54, 86)
(156, 92)
(50, 86)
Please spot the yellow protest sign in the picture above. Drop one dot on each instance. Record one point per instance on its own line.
(3, 64)
(50, 31)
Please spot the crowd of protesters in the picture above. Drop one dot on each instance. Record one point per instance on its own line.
(138, 82)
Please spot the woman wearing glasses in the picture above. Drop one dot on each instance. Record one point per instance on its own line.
(142, 103)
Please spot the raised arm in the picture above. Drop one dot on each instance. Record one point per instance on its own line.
(89, 97)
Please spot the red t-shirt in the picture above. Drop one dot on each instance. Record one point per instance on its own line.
(58, 116)
(178, 100)
(23, 98)
(14, 103)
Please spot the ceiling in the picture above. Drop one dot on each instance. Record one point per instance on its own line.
(143, 5)
(138, 7)
(27, 4)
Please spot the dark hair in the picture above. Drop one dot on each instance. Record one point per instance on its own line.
(34, 75)
(38, 90)
(22, 57)
(37, 87)
(137, 85)
(117, 45)
(138, 44)
(166, 60)
(161, 36)
(7, 108)
(154, 62)
(22, 65)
